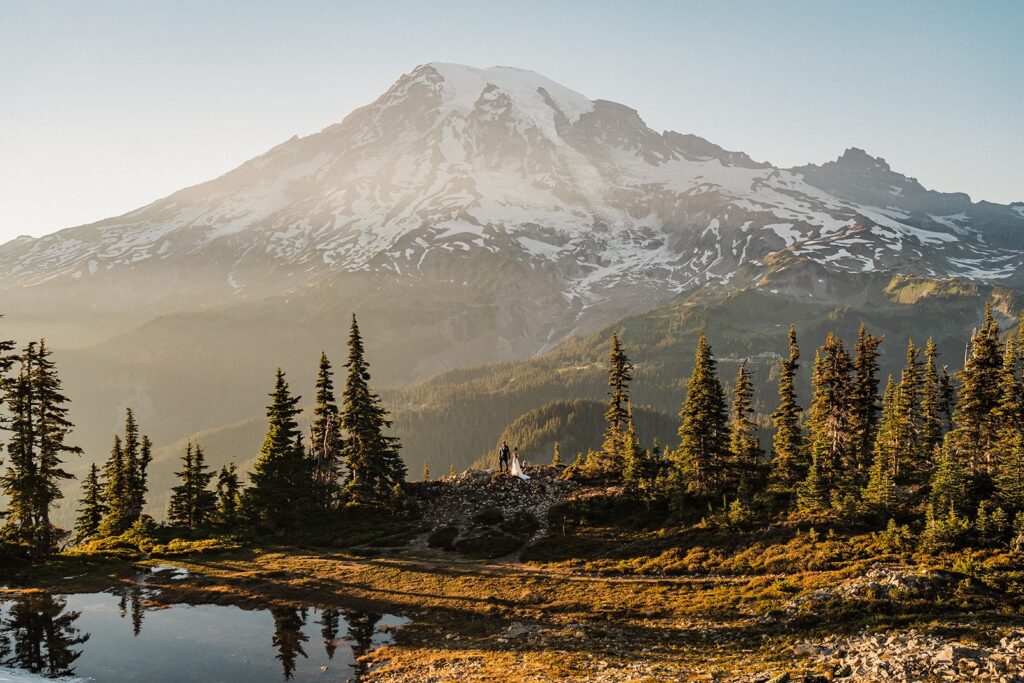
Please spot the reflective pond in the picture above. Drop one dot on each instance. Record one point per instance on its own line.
(116, 636)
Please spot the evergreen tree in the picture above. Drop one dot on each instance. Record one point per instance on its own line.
(864, 398)
(39, 430)
(932, 418)
(426, 471)
(228, 494)
(556, 455)
(620, 374)
(1008, 414)
(892, 430)
(789, 463)
(192, 502)
(703, 453)
(326, 443)
(879, 494)
(117, 517)
(910, 461)
(829, 434)
(280, 482)
(1010, 478)
(812, 491)
(947, 399)
(125, 478)
(634, 464)
(8, 359)
(204, 500)
(743, 443)
(132, 466)
(179, 511)
(949, 490)
(91, 508)
(375, 467)
(975, 431)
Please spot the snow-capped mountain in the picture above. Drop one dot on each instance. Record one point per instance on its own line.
(468, 215)
(458, 159)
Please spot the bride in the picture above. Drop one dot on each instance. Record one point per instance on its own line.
(517, 467)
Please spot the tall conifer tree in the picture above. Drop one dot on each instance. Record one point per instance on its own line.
(911, 462)
(1010, 478)
(137, 455)
(326, 443)
(789, 462)
(179, 511)
(865, 408)
(703, 453)
(949, 483)
(91, 508)
(117, 517)
(1008, 414)
(280, 482)
(374, 465)
(892, 436)
(975, 432)
(36, 450)
(829, 434)
(616, 416)
(228, 494)
(743, 443)
(932, 419)
(192, 502)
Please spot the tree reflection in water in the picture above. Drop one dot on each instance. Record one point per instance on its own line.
(330, 620)
(361, 626)
(38, 634)
(288, 636)
(131, 599)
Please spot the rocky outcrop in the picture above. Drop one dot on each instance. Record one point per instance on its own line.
(878, 583)
(486, 513)
(912, 656)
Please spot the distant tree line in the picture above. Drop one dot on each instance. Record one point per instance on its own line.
(940, 451)
(346, 460)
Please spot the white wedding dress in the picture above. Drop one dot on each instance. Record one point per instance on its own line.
(517, 469)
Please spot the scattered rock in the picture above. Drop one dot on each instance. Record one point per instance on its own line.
(909, 657)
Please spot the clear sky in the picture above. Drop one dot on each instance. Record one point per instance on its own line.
(106, 106)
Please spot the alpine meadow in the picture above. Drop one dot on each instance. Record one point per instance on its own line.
(492, 381)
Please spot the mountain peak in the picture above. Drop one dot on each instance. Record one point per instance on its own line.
(530, 92)
(855, 157)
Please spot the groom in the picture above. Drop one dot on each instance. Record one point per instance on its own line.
(503, 456)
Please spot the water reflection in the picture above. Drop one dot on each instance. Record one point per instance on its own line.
(329, 620)
(288, 637)
(47, 634)
(131, 598)
(38, 634)
(361, 627)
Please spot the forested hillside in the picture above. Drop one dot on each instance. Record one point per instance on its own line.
(460, 414)
(458, 417)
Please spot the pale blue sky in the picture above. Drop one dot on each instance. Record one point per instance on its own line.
(105, 106)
